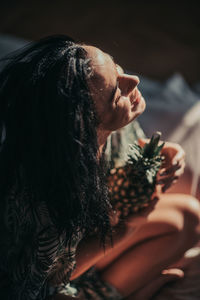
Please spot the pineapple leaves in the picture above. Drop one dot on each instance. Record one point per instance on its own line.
(132, 186)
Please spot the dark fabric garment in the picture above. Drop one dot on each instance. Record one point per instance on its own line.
(32, 252)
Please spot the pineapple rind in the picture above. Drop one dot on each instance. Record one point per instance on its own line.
(140, 173)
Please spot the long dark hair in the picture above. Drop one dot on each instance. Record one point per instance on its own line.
(48, 128)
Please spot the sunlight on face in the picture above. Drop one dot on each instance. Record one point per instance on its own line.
(116, 96)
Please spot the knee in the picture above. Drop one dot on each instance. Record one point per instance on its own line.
(180, 215)
(189, 210)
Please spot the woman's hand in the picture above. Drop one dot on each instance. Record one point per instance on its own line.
(173, 165)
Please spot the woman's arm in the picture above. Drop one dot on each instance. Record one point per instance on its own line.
(90, 251)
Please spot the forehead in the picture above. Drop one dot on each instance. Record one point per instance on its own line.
(98, 57)
(104, 69)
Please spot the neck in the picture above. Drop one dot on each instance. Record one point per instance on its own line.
(102, 138)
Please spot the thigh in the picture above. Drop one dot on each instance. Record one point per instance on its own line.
(166, 215)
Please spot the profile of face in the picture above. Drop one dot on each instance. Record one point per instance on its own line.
(116, 96)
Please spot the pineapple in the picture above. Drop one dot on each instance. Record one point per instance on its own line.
(132, 186)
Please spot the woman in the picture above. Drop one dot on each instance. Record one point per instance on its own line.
(59, 102)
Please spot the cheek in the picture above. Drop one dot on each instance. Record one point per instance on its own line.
(117, 117)
(123, 110)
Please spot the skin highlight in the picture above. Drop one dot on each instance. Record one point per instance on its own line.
(116, 96)
(95, 94)
(173, 220)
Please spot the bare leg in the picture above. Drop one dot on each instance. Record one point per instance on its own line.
(158, 240)
(141, 264)
(154, 286)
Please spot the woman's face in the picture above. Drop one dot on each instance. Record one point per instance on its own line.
(117, 98)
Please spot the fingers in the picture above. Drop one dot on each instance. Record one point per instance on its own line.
(180, 171)
(167, 177)
(173, 152)
(180, 156)
(173, 160)
(169, 171)
(156, 284)
(166, 187)
(167, 182)
(176, 170)
(173, 165)
(142, 142)
(174, 273)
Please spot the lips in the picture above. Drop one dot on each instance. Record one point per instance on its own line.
(135, 97)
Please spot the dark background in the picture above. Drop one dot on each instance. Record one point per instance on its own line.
(151, 38)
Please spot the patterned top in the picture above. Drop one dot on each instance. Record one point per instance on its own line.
(31, 252)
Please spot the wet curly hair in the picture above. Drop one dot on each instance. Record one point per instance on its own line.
(48, 128)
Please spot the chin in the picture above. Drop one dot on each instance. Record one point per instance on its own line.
(143, 103)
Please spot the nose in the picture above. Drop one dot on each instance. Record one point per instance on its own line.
(127, 83)
(135, 79)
